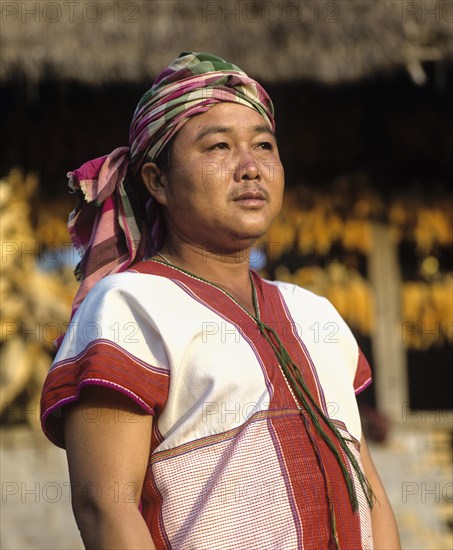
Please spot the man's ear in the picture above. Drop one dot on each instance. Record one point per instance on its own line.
(155, 182)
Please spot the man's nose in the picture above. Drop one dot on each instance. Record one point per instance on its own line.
(248, 168)
(251, 171)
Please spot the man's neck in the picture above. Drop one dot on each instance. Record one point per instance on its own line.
(229, 270)
(228, 265)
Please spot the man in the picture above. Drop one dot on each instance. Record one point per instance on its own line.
(191, 400)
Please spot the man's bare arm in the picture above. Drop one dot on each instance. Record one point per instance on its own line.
(107, 439)
(385, 531)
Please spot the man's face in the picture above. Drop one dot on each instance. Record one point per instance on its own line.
(225, 182)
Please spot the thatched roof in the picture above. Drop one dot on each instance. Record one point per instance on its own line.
(332, 41)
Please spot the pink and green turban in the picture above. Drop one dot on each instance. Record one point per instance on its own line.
(108, 228)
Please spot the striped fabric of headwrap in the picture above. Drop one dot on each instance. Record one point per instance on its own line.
(107, 229)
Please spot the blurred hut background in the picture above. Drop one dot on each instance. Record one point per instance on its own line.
(362, 91)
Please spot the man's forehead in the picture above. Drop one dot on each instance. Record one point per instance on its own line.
(231, 129)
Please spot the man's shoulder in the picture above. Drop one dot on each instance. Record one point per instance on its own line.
(134, 275)
(121, 285)
(306, 307)
(297, 293)
(124, 279)
(305, 303)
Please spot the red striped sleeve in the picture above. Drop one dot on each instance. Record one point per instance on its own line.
(102, 363)
(363, 374)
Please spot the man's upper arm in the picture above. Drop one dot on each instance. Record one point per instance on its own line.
(385, 531)
(107, 438)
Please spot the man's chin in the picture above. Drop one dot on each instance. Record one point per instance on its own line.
(235, 244)
(243, 243)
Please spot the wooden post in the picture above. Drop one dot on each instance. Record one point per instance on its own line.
(391, 378)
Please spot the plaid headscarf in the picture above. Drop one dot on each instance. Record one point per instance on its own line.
(108, 228)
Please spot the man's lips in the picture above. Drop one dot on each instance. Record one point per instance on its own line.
(252, 196)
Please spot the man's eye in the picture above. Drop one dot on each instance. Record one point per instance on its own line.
(266, 145)
(221, 145)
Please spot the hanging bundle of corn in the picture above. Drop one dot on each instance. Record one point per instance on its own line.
(313, 278)
(427, 310)
(281, 235)
(34, 304)
(433, 227)
(51, 228)
(349, 292)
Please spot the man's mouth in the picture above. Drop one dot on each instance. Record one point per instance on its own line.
(251, 198)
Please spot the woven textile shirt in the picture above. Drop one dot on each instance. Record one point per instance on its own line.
(231, 465)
